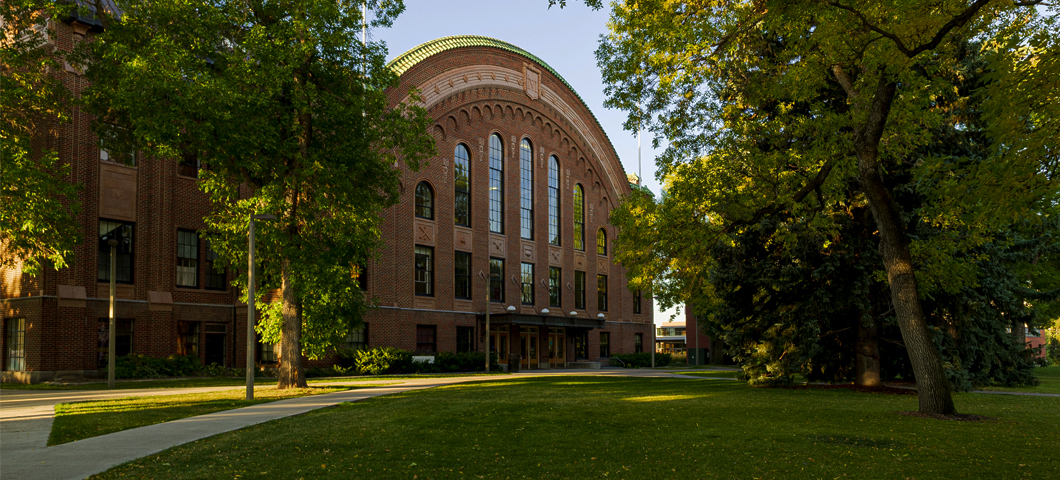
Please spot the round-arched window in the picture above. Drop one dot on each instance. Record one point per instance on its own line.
(601, 242)
(424, 201)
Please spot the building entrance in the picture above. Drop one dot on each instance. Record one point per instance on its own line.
(528, 337)
(581, 345)
(499, 343)
(215, 343)
(557, 338)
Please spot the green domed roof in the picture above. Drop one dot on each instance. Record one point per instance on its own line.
(421, 52)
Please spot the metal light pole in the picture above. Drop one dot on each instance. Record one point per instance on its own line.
(487, 298)
(112, 334)
(250, 305)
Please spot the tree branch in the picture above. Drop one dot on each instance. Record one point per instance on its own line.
(815, 183)
(955, 22)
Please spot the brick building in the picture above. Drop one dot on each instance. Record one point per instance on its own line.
(522, 188)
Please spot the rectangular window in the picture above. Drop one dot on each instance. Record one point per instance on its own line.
(267, 354)
(188, 339)
(216, 271)
(425, 338)
(187, 259)
(605, 344)
(496, 280)
(122, 340)
(358, 339)
(465, 339)
(555, 290)
(116, 146)
(638, 342)
(123, 233)
(424, 271)
(15, 345)
(579, 290)
(601, 293)
(189, 165)
(636, 302)
(462, 275)
(527, 274)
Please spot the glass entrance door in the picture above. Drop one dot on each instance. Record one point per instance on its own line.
(581, 345)
(499, 343)
(528, 337)
(557, 338)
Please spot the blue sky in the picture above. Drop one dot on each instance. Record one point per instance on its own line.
(564, 38)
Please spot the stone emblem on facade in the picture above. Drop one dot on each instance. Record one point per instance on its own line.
(532, 82)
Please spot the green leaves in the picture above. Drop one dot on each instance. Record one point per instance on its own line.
(287, 109)
(38, 199)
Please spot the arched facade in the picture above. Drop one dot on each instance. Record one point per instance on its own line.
(531, 142)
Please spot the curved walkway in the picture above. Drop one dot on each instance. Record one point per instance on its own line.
(26, 418)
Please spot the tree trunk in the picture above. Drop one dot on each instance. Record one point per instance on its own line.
(933, 388)
(291, 373)
(867, 354)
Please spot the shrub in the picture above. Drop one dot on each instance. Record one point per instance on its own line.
(643, 360)
(382, 360)
(143, 366)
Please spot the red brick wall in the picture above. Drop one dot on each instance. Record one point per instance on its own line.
(66, 338)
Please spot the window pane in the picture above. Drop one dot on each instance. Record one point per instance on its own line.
(601, 292)
(636, 302)
(15, 345)
(496, 280)
(601, 242)
(553, 200)
(424, 270)
(579, 218)
(216, 271)
(425, 338)
(424, 201)
(462, 275)
(496, 184)
(123, 233)
(358, 339)
(605, 344)
(554, 291)
(462, 185)
(187, 259)
(465, 339)
(526, 190)
(579, 290)
(527, 274)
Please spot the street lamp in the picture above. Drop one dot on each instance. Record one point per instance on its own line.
(112, 335)
(250, 305)
(488, 279)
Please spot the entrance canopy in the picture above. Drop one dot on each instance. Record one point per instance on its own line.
(544, 320)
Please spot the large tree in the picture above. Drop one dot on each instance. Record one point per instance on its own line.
(699, 76)
(38, 203)
(285, 109)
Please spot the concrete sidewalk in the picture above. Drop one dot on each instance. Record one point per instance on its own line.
(25, 422)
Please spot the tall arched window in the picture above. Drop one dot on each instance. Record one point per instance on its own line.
(601, 242)
(579, 218)
(462, 185)
(496, 184)
(526, 190)
(424, 201)
(553, 200)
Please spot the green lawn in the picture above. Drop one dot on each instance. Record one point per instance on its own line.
(713, 373)
(1049, 376)
(219, 382)
(78, 420)
(616, 427)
